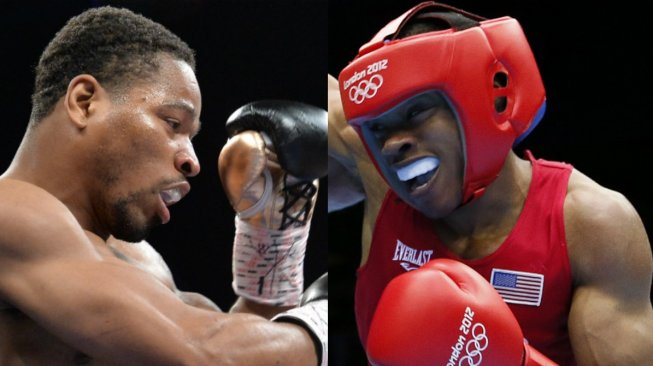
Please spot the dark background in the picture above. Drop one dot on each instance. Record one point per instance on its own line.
(597, 72)
(245, 51)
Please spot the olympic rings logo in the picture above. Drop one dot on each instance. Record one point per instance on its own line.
(475, 347)
(366, 89)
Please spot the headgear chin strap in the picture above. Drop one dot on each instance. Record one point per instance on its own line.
(484, 67)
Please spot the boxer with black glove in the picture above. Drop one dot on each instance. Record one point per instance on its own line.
(445, 313)
(270, 169)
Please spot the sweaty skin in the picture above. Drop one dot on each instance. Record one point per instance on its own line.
(100, 166)
(24, 342)
(611, 319)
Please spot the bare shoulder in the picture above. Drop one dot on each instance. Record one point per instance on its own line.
(35, 228)
(605, 235)
(33, 222)
(591, 206)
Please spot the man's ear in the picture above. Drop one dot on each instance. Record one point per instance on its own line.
(84, 92)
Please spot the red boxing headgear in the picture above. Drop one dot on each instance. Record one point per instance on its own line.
(485, 70)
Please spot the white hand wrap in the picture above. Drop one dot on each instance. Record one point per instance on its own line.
(313, 316)
(268, 265)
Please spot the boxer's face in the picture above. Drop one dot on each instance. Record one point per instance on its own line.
(418, 148)
(145, 154)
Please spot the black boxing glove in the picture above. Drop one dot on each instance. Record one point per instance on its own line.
(319, 290)
(270, 133)
(313, 314)
(298, 132)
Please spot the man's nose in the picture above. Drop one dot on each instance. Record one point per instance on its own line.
(186, 161)
(397, 146)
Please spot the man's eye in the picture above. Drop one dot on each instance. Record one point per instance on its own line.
(419, 114)
(415, 112)
(173, 123)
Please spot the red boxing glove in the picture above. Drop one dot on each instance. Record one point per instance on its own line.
(533, 357)
(445, 313)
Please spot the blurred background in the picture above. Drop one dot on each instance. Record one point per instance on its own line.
(245, 51)
(596, 70)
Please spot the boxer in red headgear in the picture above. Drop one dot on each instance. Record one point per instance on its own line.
(434, 103)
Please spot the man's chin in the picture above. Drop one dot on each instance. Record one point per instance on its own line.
(134, 233)
(131, 236)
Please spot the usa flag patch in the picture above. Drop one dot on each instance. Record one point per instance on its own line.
(516, 287)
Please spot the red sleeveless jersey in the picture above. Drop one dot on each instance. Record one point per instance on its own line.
(530, 269)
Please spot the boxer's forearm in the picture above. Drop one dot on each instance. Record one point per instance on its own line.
(251, 340)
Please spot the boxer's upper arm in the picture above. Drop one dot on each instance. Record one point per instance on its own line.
(345, 186)
(611, 319)
(337, 121)
(113, 311)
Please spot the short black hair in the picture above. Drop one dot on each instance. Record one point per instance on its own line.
(116, 46)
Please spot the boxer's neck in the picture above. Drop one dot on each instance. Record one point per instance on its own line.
(490, 218)
(51, 158)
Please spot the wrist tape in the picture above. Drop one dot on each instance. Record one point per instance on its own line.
(268, 265)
